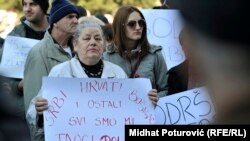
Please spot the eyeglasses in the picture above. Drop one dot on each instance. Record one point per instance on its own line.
(132, 24)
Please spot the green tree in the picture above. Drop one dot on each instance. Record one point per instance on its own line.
(109, 6)
(138, 3)
(98, 6)
(94, 6)
(11, 5)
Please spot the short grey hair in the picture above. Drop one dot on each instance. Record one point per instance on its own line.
(85, 24)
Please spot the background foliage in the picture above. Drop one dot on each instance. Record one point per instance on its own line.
(94, 6)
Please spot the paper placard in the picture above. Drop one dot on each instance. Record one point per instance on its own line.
(189, 107)
(15, 52)
(163, 28)
(94, 109)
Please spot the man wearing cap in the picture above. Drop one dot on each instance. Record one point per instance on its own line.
(33, 25)
(53, 49)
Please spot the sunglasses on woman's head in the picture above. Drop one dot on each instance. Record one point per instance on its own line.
(132, 24)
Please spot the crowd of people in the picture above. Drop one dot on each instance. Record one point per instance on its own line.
(76, 46)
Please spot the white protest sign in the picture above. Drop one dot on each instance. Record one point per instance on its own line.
(94, 109)
(15, 52)
(189, 107)
(163, 28)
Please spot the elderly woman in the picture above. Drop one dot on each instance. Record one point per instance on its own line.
(88, 45)
(132, 51)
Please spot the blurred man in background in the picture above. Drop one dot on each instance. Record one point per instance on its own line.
(221, 42)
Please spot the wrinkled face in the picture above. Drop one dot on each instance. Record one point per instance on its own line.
(67, 24)
(32, 11)
(90, 44)
(134, 26)
(225, 67)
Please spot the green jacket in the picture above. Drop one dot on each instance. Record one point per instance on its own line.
(41, 58)
(19, 30)
(152, 66)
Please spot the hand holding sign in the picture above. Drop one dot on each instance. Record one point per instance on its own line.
(41, 105)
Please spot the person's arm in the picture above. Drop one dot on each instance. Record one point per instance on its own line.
(34, 70)
(161, 76)
(31, 115)
(40, 105)
(35, 121)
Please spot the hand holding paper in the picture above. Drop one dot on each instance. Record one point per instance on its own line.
(20, 86)
(41, 105)
(153, 96)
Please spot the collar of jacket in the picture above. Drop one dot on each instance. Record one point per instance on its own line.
(56, 51)
(78, 72)
(26, 23)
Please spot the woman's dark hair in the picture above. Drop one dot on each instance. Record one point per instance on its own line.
(107, 30)
(119, 36)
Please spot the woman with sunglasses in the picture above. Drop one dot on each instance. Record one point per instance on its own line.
(132, 52)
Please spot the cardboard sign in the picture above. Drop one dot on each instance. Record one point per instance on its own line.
(189, 107)
(15, 52)
(94, 109)
(163, 28)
